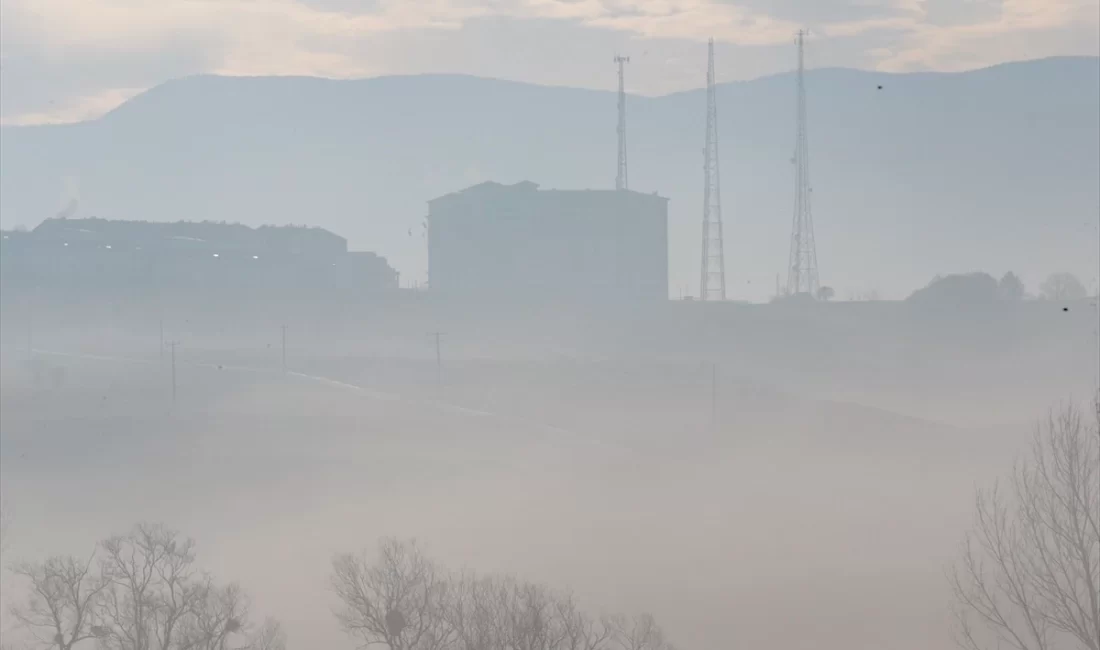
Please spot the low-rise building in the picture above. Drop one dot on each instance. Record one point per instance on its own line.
(520, 242)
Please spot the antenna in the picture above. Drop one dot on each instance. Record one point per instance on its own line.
(621, 182)
(802, 269)
(713, 282)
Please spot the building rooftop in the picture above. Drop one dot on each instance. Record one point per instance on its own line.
(214, 229)
(193, 232)
(492, 188)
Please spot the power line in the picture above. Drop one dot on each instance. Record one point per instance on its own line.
(713, 280)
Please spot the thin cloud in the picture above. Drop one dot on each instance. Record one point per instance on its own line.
(698, 20)
(77, 109)
(331, 38)
(956, 47)
(292, 36)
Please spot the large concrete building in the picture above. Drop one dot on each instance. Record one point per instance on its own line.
(103, 254)
(520, 242)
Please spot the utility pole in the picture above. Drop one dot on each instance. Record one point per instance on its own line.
(438, 354)
(438, 358)
(284, 348)
(713, 283)
(172, 345)
(802, 268)
(714, 395)
(621, 180)
(30, 321)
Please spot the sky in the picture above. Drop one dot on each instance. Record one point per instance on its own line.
(72, 60)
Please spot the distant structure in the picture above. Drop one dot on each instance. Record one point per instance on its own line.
(802, 269)
(713, 282)
(517, 243)
(622, 181)
(87, 254)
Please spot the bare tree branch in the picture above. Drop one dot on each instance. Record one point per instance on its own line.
(442, 611)
(146, 595)
(64, 596)
(1029, 574)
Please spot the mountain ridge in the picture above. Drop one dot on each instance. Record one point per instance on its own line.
(474, 77)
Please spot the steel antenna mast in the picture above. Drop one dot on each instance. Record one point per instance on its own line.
(713, 280)
(621, 181)
(802, 269)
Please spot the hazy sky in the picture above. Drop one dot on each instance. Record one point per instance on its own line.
(66, 60)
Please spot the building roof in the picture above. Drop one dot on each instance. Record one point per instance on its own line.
(196, 232)
(492, 188)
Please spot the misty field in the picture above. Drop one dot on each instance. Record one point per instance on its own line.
(783, 522)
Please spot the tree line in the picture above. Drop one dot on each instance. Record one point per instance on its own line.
(984, 288)
(144, 591)
(403, 600)
(138, 591)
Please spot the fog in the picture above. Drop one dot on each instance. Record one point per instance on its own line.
(410, 373)
(788, 476)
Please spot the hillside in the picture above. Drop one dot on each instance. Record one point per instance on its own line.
(991, 169)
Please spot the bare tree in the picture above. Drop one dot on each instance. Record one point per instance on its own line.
(441, 611)
(218, 617)
(153, 590)
(490, 613)
(146, 595)
(529, 618)
(270, 636)
(1029, 573)
(400, 601)
(474, 612)
(581, 631)
(61, 608)
(1062, 286)
(639, 633)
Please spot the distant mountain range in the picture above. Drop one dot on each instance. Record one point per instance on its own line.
(913, 174)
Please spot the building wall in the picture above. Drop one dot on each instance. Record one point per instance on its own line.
(520, 242)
